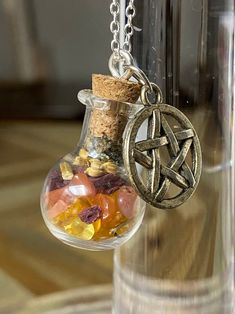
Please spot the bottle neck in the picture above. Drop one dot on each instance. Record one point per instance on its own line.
(104, 132)
(104, 125)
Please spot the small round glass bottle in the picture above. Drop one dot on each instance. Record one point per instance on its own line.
(87, 200)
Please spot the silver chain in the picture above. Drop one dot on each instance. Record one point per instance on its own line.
(115, 26)
(129, 29)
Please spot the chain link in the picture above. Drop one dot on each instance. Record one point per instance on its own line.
(122, 56)
(129, 29)
(115, 26)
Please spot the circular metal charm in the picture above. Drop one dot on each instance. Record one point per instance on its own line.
(172, 180)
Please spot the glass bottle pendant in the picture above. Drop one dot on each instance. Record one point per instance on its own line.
(87, 200)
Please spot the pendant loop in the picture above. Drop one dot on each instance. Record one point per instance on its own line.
(146, 93)
(117, 61)
(138, 74)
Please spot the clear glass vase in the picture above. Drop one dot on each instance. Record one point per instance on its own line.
(87, 201)
(182, 260)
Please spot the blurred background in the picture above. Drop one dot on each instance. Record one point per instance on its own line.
(48, 51)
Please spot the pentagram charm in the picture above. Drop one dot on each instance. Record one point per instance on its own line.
(171, 154)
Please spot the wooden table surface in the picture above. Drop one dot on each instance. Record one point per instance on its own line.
(29, 255)
(89, 300)
(189, 243)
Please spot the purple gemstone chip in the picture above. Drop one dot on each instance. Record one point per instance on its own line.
(91, 214)
(56, 181)
(78, 169)
(108, 183)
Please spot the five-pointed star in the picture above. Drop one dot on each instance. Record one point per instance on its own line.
(178, 144)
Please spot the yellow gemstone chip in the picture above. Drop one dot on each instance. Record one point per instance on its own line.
(66, 171)
(97, 225)
(80, 229)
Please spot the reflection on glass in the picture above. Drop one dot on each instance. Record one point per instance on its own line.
(182, 259)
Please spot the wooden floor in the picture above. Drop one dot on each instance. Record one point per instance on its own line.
(29, 255)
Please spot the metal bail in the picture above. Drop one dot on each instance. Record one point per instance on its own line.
(169, 184)
(118, 60)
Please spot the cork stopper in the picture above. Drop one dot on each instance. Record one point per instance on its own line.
(117, 89)
(109, 124)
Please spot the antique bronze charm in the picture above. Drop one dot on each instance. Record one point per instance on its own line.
(171, 153)
(170, 180)
(182, 144)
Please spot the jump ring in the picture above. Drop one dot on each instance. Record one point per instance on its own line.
(145, 91)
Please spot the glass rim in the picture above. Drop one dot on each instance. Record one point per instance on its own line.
(86, 97)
